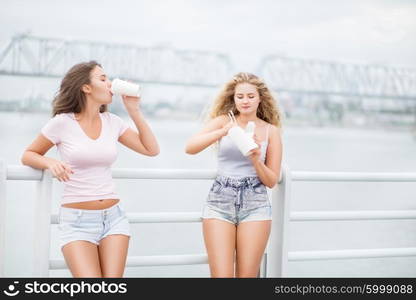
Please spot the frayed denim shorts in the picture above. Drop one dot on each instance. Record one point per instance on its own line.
(91, 225)
(237, 200)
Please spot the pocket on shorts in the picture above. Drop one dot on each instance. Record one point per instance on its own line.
(220, 200)
(216, 187)
(259, 188)
(256, 196)
(121, 211)
(68, 219)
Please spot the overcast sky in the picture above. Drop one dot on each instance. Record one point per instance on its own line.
(363, 31)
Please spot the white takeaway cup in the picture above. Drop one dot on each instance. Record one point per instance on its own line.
(242, 140)
(121, 87)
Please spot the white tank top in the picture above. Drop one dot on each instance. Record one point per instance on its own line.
(232, 163)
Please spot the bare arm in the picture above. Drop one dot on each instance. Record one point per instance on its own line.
(34, 157)
(212, 132)
(269, 171)
(144, 141)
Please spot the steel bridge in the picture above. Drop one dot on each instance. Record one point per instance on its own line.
(392, 89)
(321, 77)
(330, 89)
(27, 55)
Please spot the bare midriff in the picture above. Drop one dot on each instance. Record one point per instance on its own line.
(95, 204)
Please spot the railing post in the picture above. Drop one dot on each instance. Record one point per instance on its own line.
(263, 267)
(42, 230)
(277, 252)
(3, 199)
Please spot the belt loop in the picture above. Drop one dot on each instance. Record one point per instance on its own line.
(250, 181)
(239, 201)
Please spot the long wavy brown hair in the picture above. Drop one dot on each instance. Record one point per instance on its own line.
(224, 102)
(70, 97)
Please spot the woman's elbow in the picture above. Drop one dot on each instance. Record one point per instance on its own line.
(23, 158)
(272, 183)
(154, 152)
(190, 150)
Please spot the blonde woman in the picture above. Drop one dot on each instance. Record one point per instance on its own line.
(94, 230)
(237, 213)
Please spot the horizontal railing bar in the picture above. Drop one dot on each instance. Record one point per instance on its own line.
(159, 217)
(353, 176)
(26, 173)
(15, 172)
(142, 261)
(163, 174)
(23, 173)
(350, 254)
(167, 260)
(165, 217)
(297, 216)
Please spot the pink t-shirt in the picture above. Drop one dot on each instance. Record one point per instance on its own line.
(90, 159)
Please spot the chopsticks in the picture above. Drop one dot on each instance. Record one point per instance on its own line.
(231, 116)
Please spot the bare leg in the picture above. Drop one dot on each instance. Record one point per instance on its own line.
(252, 239)
(113, 254)
(219, 237)
(82, 259)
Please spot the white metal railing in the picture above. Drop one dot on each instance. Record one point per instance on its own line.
(298, 216)
(276, 259)
(3, 184)
(154, 260)
(351, 253)
(352, 215)
(163, 217)
(353, 176)
(44, 218)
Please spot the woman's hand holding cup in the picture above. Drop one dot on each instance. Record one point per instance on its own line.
(254, 155)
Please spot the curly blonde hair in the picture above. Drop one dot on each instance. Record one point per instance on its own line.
(224, 102)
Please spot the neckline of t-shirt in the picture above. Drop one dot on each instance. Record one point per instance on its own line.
(85, 134)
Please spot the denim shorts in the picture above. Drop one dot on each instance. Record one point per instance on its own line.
(237, 200)
(91, 225)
